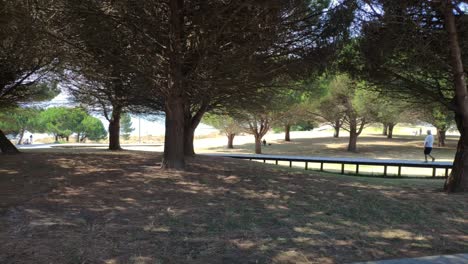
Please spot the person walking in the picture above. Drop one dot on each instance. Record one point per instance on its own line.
(428, 142)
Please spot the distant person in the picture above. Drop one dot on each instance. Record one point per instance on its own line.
(26, 142)
(30, 139)
(428, 142)
(264, 142)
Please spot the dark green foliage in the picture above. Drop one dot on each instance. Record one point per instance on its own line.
(126, 126)
(62, 122)
(304, 126)
(92, 129)
(17, 121)
(26, 56)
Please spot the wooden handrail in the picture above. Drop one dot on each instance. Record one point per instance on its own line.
(346, 161)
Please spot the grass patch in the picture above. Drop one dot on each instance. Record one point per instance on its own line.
(369, 146)
(119, 207)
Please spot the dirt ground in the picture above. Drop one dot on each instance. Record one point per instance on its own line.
(103, 207)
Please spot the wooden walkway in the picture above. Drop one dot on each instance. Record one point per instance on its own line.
(346, 161)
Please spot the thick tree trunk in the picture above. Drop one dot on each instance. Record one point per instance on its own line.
(258, 144)
(78, 136)
(67, 138)
(441, 137)
(287, 130)
(6, 146)
(352, 145)
(56, 139)
(174, 156)
(353, 134)
(191, 122)
(189, 135)
(390, 130)
(458, 179)
(114, 129)
(174, 151)
(385, 129)
(230, 144)
(337, 126)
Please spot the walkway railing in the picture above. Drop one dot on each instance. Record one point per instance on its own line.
(347, 161)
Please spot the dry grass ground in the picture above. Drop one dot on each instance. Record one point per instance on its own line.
(369, 146)
(102, 207)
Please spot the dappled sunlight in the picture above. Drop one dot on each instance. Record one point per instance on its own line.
(252, 194)
(142, 260)
(291, 256)
(458, 220)
(244, 244)
(308, 230)
(8, 172)
(397, 234)
(335, 146)
(152, 227)
(276, 207)
(122, 208)
(377, 147)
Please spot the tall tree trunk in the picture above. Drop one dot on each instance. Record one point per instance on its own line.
(6, 146)
(189, 135)
(441, 137)
(458, 179)
(230, 144)
(67, 138)
(337, 127)
(353, 134)
(174, 151)
(385, 129)
(390, 130)
(56, 139)
(114, 129)
(174, 137)
(78, 136)
(287, 136)
(258, 144)
(191, 122)
(21, 136)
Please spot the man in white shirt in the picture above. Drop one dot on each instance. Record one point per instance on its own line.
(428, 142)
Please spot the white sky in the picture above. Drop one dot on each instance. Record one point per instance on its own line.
(154, 128)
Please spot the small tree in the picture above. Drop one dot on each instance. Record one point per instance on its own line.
(126, 126)
(226, 124)
(292, 107)
(328, 107)
(331, 111)
(62, 122)
(438, 116)
(390, 112)
(19, 120)
(93, 129)
(256, 123)
(289, 116)
(355, 103)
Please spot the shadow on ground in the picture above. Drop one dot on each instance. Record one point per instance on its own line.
(102, 207)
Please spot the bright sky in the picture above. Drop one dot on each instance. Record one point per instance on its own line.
(147, 127)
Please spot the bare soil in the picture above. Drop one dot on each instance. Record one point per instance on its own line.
(119, 207)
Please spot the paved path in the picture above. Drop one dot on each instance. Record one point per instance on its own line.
(443, 259)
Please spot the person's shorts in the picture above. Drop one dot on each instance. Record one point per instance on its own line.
(427, 151)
